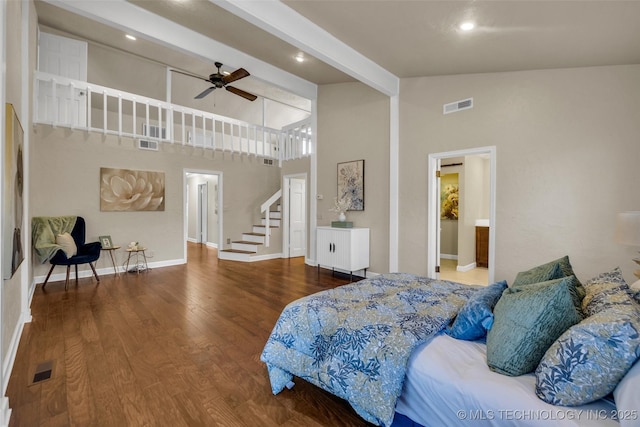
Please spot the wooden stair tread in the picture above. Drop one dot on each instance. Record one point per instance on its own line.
(270, 226)
(247, 242)
(255, 234)
(238, 251)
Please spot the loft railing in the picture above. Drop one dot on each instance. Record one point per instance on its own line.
(74, 104)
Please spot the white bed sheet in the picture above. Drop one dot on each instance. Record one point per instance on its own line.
(448, 383)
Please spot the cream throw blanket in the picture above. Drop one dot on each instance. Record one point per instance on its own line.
(44, 230)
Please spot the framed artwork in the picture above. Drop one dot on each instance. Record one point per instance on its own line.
(449, 191)
(124, 190)
(12, 193)
(106, 242)
(351, 183)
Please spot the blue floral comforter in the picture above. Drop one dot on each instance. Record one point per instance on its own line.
(354, 341)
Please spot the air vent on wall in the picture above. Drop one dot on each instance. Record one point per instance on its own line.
(267, 162)
(144, 144)
(454, 107)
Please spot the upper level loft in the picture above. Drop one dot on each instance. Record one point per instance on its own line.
(63, 101)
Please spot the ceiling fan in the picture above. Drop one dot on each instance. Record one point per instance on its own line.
(219, 80)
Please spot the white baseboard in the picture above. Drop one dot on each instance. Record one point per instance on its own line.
(465, 268)
(11, 353)
(448, 256)
(265, 257)
(104, 271)
(212, 245)
(5, 411)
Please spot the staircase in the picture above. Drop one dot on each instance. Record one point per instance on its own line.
(253, 243)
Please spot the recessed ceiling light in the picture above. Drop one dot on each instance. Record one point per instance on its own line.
(467, 26)
(300, 57)
(130, 37)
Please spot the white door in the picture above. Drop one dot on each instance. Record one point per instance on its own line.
(297, 218)
(438, 223)
(64, 57)
(203, 213)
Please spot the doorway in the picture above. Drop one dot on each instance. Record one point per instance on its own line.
(294, 236)
(477, 209)
(202, 213)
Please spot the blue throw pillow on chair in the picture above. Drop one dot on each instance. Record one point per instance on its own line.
(476, 316)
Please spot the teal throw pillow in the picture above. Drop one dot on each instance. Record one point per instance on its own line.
(574, 289)
(541, 273)
(475, 318)
(548, 271)
(527, 320)
(588, 361)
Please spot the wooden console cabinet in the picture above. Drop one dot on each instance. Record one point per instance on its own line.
(482, 247)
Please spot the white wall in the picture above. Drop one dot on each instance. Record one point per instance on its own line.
(567, 148)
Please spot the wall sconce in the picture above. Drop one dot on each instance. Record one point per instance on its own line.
(628, 233)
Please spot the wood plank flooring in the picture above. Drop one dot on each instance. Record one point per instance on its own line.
(174, 346)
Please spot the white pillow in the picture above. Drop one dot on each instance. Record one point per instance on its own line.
(68, 245)
(627, 397)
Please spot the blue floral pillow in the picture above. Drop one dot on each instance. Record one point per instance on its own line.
(605, 290)
(476, 316)
(590, 358)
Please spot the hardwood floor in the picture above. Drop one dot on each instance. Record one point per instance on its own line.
(176, 346)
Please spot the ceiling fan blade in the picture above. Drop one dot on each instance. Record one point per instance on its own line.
(205, 92)
(190, 75)
(238, 74)
(240, 92)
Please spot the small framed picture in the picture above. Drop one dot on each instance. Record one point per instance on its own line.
(106, 242)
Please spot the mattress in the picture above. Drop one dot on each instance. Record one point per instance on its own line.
(448, 383)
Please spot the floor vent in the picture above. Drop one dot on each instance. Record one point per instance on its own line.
(42, 372)
(454, 107)
(145, 144)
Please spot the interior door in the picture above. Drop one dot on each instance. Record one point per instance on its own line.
(437, 216)
(64, 57)
(297, 218)
(203, 213)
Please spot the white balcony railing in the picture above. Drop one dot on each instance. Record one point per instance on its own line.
(74, 104)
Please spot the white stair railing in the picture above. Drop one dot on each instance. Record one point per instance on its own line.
(265, 208)
(64, 102)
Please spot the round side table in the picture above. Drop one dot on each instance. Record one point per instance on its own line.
(113, 260)
(137, 252)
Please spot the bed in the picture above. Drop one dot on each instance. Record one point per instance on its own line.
(379, 344)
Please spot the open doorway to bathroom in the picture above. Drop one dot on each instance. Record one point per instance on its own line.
(461, 215)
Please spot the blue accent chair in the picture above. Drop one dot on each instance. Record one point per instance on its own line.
(87, 254)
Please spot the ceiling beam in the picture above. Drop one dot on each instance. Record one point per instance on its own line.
(134, 20)
(285, 23)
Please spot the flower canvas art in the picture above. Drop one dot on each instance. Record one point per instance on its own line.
(124, 190)
(351, 184)
(12, 193)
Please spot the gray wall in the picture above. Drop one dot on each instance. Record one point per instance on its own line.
(567, 148)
